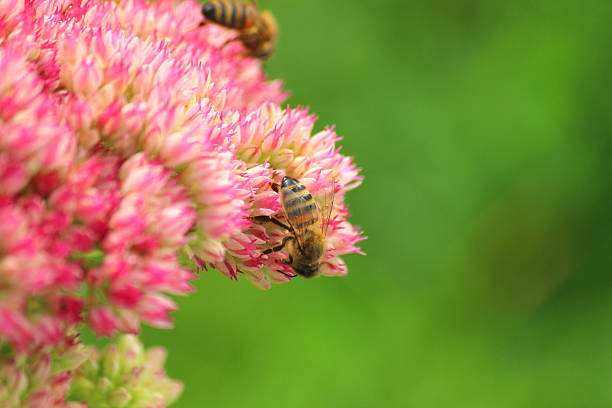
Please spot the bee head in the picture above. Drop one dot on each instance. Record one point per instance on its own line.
(306, 271)
(289, 181)
(209, 11)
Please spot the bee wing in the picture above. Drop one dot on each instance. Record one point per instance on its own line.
(328, 205)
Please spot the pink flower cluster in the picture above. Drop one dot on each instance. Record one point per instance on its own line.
(129, 140)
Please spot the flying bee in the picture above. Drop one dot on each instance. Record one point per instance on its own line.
(307, 229)
(257, 30)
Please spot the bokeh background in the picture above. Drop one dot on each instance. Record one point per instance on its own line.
(484, 129)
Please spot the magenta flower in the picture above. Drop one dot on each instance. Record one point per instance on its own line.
(130, 143)
(37, 295)
(129, 140)
(36, 145)
(273, 143)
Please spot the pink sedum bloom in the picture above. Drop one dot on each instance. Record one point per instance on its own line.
(129, 138)
(37, 295)
(36, 144)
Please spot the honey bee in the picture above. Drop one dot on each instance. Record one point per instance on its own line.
(307, 230)
(257, 30)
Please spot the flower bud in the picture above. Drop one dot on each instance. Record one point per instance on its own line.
(90, 367)
(119, 398)
(130, 348)
(136, 377)
(155, 357)
(41, 369)
(19, 382)
(103, 386)
(110, 361)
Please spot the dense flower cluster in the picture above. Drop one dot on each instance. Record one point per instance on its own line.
(71, 375)
(130, 141)
(124, 375)
(42, 377)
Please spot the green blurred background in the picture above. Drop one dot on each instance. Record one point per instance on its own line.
(484, 129)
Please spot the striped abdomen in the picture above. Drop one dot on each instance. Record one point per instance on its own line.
(298, 204)
(229, 13)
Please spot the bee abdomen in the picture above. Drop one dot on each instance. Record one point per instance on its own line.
(298, 204)
(300, 210)
(298, 201)
(228, 13)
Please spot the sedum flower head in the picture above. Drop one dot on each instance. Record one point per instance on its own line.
(124, 374)
(42, 377)
(71, 375)
(129, 139)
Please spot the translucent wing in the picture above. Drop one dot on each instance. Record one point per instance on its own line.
(328, 206)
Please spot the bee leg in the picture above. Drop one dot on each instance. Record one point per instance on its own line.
(265, 218)
(66, 10)
(231, 40)
(250, 36)
(278, 248)
(275, 186)
(288, 262)
(287, 275)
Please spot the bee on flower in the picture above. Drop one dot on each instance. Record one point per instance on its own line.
(308, 224)
(257, 30)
